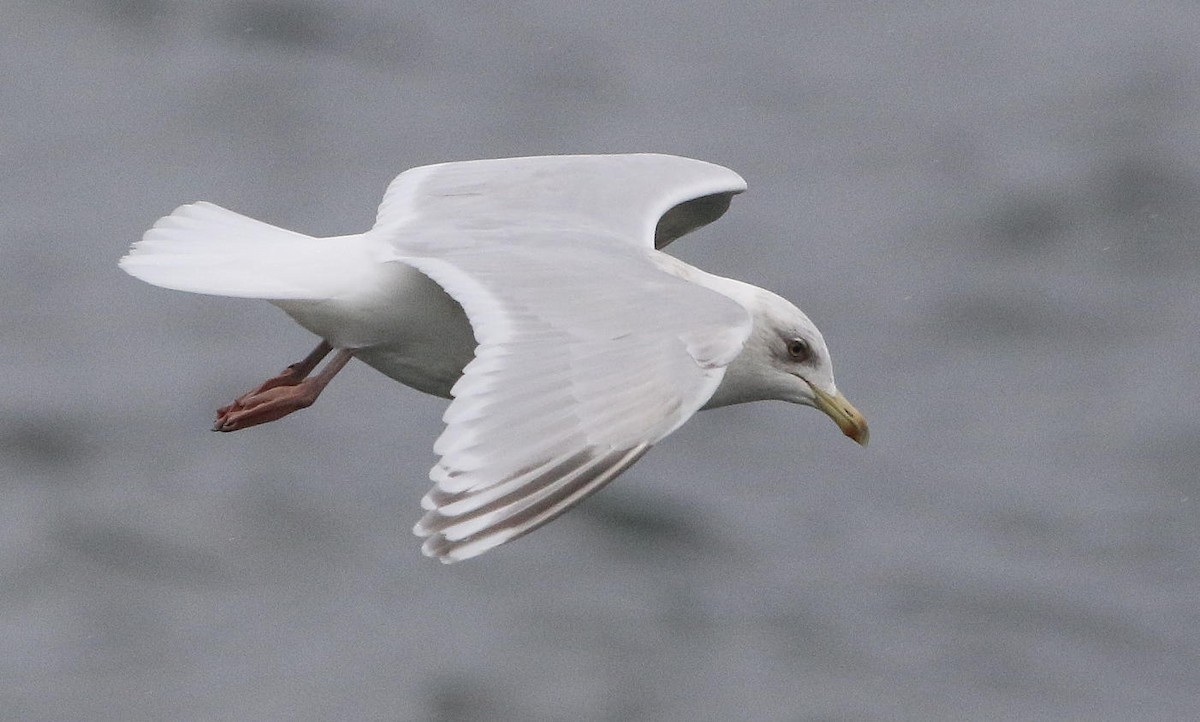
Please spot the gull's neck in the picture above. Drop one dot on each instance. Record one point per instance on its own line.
(743, 293)
(743, 380)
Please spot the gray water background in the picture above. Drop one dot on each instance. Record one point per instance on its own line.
(991, 209)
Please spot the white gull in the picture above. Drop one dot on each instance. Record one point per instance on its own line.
(531, 291)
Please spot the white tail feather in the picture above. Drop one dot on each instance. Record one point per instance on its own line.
(204, 248)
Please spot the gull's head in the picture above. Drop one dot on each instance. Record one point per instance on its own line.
(785, 359)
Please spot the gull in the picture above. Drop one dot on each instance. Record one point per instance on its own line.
(535, 294)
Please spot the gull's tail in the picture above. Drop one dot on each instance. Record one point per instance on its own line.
(204, 248)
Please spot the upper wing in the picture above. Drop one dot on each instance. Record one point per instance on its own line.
(638, 197)
(588, 355)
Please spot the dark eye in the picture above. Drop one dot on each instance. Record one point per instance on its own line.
(799, 350)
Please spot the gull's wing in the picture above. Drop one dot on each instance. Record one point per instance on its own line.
(640, 197)
(588, 354)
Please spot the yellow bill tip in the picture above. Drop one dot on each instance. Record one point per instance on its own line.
(849, 420)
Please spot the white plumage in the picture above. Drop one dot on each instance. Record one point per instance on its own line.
(531, 292)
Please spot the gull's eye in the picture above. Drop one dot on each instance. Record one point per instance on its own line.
(799, 350)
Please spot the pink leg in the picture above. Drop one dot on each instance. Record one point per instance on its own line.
(279, 396)
(290, 376)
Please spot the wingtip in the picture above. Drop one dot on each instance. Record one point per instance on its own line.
(445, 551)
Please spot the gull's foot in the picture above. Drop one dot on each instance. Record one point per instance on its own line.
(280, 395)
(265, 405)
(290, 376)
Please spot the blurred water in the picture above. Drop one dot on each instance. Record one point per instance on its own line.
(991, 209)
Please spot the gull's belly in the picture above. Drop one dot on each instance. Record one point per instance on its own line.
(405, 327)
(425, 368)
